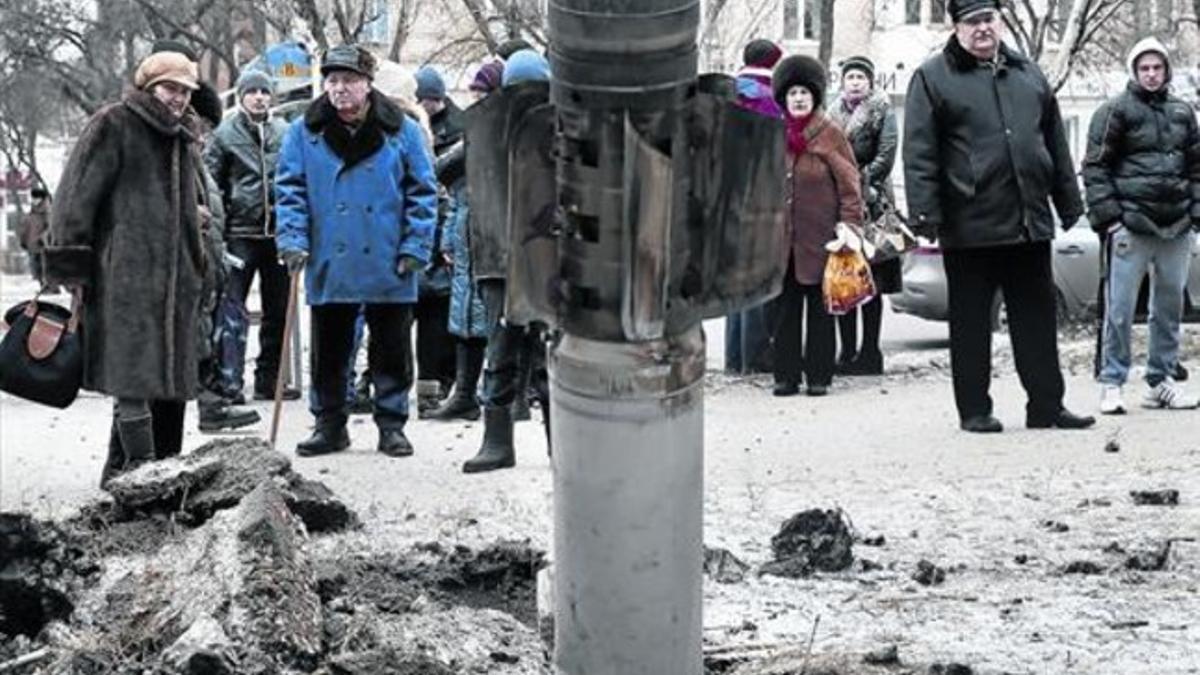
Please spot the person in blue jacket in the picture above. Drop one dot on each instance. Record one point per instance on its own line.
(356, 203)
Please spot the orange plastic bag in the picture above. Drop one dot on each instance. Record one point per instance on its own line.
(847, 283)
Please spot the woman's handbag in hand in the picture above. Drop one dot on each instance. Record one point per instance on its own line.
(889, 234)
(41, 355)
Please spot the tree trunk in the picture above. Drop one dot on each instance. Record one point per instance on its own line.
(400, 36)
(825, 33)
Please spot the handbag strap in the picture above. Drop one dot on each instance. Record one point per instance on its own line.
(76, 305)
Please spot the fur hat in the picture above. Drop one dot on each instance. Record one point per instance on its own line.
(348, 57)
(206, 101)
(254, 79)
(799, 70)
(488, 77)
(860, 63)
(166, 67)
(430, 84)
(961, 9)
(761, 54)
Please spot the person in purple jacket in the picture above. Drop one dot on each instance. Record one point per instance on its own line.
(747, 335)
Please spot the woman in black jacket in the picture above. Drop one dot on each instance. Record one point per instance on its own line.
(867, 118)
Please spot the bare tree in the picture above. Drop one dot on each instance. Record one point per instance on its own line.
(825, 32)
(1073, 25)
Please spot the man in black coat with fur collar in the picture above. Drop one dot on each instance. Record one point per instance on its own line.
(984, 155)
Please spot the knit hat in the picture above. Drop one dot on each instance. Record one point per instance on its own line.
(525, 66)
(860, 63)
(761, 54)
(961, 9)
(488, 77)
(254, 79)
(804, 71)
(430, 85)
(166, 67)
(510, 47)
(348, 57)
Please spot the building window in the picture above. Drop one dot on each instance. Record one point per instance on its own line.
(378, 22)
(912, 11)
(791, 19)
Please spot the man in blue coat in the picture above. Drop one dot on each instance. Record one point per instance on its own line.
(356, 203)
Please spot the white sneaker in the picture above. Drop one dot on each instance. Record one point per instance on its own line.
(1168, 394)
(1110, 400)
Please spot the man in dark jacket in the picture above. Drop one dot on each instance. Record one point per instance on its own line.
(241, 155)
(1142, 173)
(356, 200)
(984, 154)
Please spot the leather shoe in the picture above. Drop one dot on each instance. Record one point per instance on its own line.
(289, 394)
(786, 389)
(1064, 419)
(982, 424)
(324, 441)
(393, 443)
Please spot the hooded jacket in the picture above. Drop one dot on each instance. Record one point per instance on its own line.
(985, 151)
(1142, 168)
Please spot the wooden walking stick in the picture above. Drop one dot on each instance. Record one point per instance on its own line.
(288, 326)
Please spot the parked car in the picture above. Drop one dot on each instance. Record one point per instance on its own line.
(1076, 262)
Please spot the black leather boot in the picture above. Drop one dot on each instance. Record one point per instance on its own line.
(461, 404)
(326, 439)
(393, 443)
(136, 439)
(497, 450)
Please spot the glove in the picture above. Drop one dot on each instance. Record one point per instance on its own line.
(293, 259)
(408, 264)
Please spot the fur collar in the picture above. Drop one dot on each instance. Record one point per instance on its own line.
(384, 118)
(383, 112)
(962, 60)
(869, 114)
(158, 117)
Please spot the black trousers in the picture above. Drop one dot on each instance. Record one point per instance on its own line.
(509, 349)
(805, 334)
(389, 357)
(435, 344)
(1022, 273)
(261, 258)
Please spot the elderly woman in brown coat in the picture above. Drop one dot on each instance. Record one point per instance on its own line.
(125, 232)
(823, 191)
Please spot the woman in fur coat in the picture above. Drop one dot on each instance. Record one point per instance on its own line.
(867, 118)
(126, 233)
(823, 191)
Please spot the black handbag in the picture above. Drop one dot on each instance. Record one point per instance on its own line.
(41, 358)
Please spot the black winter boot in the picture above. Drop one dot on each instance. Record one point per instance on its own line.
(461, 405)
(216, 417)
(116, 457)
(326, 439)
(136, 438)
(497, 450)
(168, 419)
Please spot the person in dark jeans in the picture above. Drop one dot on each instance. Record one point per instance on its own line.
(357, 205)
(241, 155)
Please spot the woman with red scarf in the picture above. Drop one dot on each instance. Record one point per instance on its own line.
(823, 190)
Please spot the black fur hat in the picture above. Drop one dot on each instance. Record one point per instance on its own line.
(800, 70)
(207, 104)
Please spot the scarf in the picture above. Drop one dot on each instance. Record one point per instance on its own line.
(796, 140)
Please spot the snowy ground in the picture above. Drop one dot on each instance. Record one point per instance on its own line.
(886, 450)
